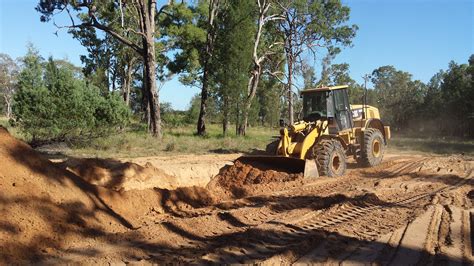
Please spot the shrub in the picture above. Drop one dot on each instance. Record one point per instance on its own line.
(53, 104)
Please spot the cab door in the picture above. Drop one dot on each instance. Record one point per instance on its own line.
(342, 108)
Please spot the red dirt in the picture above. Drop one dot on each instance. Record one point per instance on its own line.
(238, 179)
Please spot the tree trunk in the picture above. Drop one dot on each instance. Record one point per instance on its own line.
(8, 102)
(243, 125)
(225, 124)
(237, 118)
(225, 118)
(252, 89)
(256, 68)
(145, 102)
(201, 125)
(128, 82)
(152, 92)
(150, 68)
(114, 80)
(126, 91)
(210, 38)
(147, 115)
(290, 91)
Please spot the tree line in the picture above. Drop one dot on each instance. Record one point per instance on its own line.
(443, 106)
(247, 58)
(224, 47)
(53, 100)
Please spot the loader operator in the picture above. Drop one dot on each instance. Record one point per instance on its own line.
(314, 107)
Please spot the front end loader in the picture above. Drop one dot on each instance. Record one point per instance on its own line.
(330, 131)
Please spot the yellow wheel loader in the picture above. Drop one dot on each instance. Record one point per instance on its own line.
(330, 131)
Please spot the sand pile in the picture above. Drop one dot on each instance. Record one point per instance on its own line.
(42, 206)
(45, 209)
(117, 175)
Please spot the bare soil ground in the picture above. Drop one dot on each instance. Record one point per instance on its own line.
(411, 209)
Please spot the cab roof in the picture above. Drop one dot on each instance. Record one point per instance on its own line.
(325, 88)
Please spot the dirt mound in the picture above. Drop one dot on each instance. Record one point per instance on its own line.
(241, 174)
(46, 210)
(42, 205)
(235, 178)
(117, 175)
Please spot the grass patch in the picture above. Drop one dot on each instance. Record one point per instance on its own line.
(183, 141)
(137, 143)
(4, 122)
(174, 141)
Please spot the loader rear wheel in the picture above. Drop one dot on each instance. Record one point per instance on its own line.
(373, 148)
(330, 158)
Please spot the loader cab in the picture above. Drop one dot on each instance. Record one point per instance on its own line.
(331, 103)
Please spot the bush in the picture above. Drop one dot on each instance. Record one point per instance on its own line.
(172, 118)
(52, 104)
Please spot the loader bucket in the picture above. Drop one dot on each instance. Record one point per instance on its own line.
(283, 164)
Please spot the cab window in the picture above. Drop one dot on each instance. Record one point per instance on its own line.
(314, 104)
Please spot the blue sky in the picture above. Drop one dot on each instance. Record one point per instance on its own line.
(420, 37)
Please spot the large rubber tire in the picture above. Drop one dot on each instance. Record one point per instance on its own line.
(272, 147)
(330, 158)
(372, 148)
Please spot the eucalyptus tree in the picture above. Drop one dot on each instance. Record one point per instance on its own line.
(9, 70)
(265, 45)
(398, 96)
(192, 30)
(207, 59)
(308, 26)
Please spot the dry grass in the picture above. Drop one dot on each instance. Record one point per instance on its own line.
(183, 141)
(174, 141)
(432, 145)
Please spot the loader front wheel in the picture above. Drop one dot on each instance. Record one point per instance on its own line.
(373, 147)
(272, 147)
(330, 158)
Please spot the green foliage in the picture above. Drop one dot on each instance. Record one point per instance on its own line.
(52, 104)
(449, 101)
(193, 109)
(172, 118)
(444, 106)
(213, 111)
(185, 28)
(398, 96)
(233, 59)
(270, 102)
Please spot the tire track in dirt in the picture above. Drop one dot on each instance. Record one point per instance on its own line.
(313, 221)
(420, 242)
(402, 247)
(264, 229)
